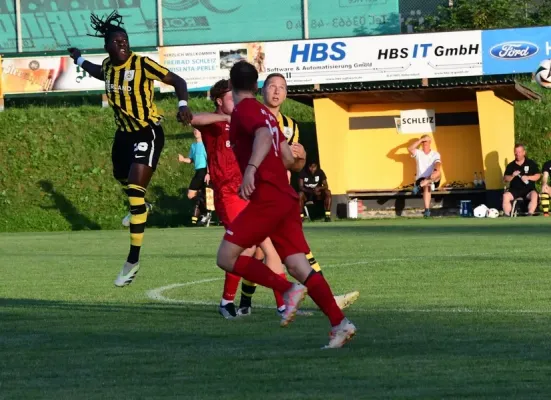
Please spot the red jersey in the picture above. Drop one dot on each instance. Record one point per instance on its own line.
(247, 117)
(223, 169)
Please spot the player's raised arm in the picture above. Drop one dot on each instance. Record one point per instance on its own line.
(93, 69)
(204, 119)
(293, 157)
(180, 87)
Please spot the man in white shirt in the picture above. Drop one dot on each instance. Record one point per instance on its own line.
(428, 169)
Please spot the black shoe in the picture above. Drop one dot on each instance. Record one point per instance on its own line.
(327, 218)
(227, 311)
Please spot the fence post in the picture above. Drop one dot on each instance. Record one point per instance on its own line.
(160, 23)
(18, 23)
(305, 23)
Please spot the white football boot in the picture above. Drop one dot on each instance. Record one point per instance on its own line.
(346, 300)
(341, 334)
(127, 274)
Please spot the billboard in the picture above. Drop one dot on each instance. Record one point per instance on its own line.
(51, 74)
(309, 62)
(514, 51)
(57, 24)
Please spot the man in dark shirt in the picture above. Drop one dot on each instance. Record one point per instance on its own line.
(313, 187)
(522, 175)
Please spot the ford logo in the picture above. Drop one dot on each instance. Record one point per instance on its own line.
(514, 50)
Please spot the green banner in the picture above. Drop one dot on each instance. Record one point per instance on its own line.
(52, 25)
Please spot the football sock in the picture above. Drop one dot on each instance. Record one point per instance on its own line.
(256, 271)
(313, 263)
(280, 303)
(320, 292)
(545, 203)
(327, 213)
(138, 217)
(230, 287)
(247, 290)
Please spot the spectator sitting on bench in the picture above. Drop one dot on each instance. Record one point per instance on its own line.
(522, 175)
(313, 187)
(428, 170)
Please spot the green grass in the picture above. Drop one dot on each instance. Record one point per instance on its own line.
(449, 308)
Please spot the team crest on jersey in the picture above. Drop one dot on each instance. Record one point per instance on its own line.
(526, 169)
(317, 178)
(287, 132)
(129, 75)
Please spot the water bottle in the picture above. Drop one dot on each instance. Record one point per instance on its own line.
(482, 181)
(475, 180)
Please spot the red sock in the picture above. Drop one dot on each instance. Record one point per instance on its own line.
(320, 292)
(256, 271)
(279, 295)
(230, 286)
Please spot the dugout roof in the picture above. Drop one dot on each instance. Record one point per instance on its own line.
(414, 91)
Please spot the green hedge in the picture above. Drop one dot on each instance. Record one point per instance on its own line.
(55, 169)
(55, 165)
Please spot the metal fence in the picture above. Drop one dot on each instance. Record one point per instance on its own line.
(54, 25)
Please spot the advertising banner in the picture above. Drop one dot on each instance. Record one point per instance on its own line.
(51, 74)
(308, 62)
(515, 51)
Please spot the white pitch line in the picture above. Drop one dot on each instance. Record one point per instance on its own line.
(157, 293)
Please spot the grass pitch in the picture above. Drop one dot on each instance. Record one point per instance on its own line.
(449, 308)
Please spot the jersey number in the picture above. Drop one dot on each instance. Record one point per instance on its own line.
(275, 137)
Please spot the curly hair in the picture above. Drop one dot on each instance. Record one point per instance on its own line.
(106, 27)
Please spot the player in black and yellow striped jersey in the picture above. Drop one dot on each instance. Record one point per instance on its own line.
(274, 93)
(139, 139)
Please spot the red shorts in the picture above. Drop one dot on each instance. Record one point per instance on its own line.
(278, 218)
(228, 207)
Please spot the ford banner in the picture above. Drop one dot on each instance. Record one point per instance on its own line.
(515, 51)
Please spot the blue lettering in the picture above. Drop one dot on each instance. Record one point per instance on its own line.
(318, 52)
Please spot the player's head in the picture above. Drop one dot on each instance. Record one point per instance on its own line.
(313, 167)
(244, 77)
(197, 134)
(427, 140)
(520, 152)
(115, 37)
(274, 90)
(221, 95)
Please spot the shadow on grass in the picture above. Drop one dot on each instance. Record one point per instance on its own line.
(66, 208)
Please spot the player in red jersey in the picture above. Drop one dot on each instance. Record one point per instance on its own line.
(226, 178)
(273, 211)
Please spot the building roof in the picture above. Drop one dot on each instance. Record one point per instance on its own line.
(463, 89)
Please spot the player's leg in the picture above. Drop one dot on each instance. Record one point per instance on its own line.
(193, 194)
(532, 198)
(147, 148)
(302, 202)
(426, 200)
(327, 200)
(508, 197)
(545, 200)
(252, 226)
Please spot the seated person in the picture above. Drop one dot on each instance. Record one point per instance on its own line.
(429, 169)
(545, 189)
(313, 186)
(522, 175)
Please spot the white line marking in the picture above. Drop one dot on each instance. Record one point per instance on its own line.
(157, 293)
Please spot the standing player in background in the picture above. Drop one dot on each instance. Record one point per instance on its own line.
(139, 138)
(201, 178)
(274, 93)
(263, 155)
(226, 178)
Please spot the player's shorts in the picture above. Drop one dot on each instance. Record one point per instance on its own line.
(142, 147)
(521, 193)
(418, 182)
(313, 197)
(277, 218)
(198, 180)
(228, 207)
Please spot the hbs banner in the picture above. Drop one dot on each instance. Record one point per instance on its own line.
(50, 25)
(515, 51)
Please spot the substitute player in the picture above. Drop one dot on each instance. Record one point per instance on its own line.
(274, 93)
(139, 138)
(263, 156)
(226, 178)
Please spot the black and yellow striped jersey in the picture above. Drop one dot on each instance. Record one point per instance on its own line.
(289, 127)
(130, 88)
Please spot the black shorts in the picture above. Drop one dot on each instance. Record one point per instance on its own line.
(198, 180)
(142, 147)
(521, 193)
(418, 182)
(311, 196)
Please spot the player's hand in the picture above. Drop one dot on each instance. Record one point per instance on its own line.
(74, 53)
(544, 188)
(184, 115)
(228, 118)
(298, 151)
(247, 186)
(181, 158)
(516, 173)
(207, 179)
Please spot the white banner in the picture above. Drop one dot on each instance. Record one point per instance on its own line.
(52, 74)
(417, 122)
